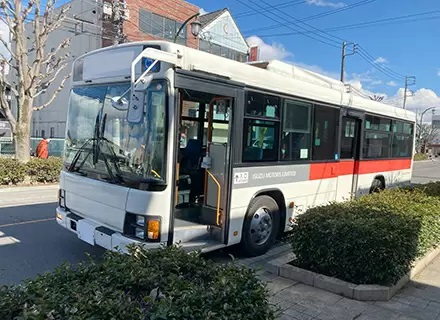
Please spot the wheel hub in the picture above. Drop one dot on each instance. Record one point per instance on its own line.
(261, 226)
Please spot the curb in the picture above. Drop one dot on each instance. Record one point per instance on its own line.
(280, 267)
(29, 188)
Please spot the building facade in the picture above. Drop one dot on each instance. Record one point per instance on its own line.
(93, 24)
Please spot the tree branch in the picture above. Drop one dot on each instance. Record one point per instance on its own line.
(63, 45)
(54, 94)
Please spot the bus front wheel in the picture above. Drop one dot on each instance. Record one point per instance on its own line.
(260, 226)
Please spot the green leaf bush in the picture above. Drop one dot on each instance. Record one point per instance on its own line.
(371, 240)
(430, 189)
(11, 171)
(155, 284)
(420, 157)
(44, 170)
(36, 170)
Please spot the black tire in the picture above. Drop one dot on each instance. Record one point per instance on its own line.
(257, 225)
(377, 186)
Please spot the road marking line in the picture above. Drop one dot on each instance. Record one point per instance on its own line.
(25, 222)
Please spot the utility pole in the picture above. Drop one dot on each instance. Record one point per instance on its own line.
(409, 81)
(344, 54)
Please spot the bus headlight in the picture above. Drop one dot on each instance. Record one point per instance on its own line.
(143, 227)
(140, 220)
(140, 233)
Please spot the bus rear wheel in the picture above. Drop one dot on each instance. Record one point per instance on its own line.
(260, 226)
(377, 186)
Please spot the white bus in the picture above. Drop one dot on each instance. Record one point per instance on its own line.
(168, 144)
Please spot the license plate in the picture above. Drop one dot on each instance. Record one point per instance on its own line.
(86, 231)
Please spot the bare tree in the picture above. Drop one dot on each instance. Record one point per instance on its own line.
(36, 69)
(425, 136)
(376, 97)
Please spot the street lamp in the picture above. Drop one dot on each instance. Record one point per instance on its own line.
(421, 121)
(195, 26)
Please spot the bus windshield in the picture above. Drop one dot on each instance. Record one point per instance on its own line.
(101, 144)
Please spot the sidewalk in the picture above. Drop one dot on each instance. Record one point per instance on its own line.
(17, 196)
(420, 299)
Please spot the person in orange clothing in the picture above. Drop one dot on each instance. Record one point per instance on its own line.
(42, 150)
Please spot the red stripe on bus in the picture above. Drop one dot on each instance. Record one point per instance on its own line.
(329, 170)
(323, 170)
(371, 166)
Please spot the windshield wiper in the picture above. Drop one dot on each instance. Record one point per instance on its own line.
(98, 137)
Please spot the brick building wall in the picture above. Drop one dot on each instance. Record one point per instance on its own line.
(177, 10)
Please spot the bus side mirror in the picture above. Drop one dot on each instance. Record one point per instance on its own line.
(136, 107)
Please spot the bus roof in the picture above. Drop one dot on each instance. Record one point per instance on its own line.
(276, 76)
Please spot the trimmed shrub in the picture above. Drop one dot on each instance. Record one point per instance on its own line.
(420, 157)
(160, 284)
(44, 170)
(11, 171)
(371, 240)
(431, 189)
(37, 170)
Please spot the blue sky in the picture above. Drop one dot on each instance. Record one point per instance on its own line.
(410, 48)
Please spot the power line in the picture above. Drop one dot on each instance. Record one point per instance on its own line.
(376, 66)
(325, 41)
(313, 17)
(398, 75)
(279, 6)
(391, 20)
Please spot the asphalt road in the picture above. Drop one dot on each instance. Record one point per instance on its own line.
(32, 243)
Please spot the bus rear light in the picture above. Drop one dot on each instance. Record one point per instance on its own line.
(153, 229)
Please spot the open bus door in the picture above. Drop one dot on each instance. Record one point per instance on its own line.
(350, 151)
(204, 160)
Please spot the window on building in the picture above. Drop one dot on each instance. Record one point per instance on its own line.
(261, 128)
(295, 138)
(160, 26)
(43, 133)
(52, 132)
(324, 144)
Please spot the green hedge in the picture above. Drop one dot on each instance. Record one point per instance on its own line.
(420, 157)
(160, 284)
(430, 189)
(371, 240)
(37, 170)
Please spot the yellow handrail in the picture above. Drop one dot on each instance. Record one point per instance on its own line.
(217, 221)
(156, 174)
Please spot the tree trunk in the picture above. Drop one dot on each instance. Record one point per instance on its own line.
(22, 143)
(22, 136)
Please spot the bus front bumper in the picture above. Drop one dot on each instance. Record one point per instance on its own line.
(95, 234)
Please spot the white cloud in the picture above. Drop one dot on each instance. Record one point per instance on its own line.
(274, 51)
(438, 72)
(202, 11)
(381, 60)
(392, 83)
(324, 3)
(317, 69)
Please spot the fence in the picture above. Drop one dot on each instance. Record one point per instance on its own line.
(56, 147)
